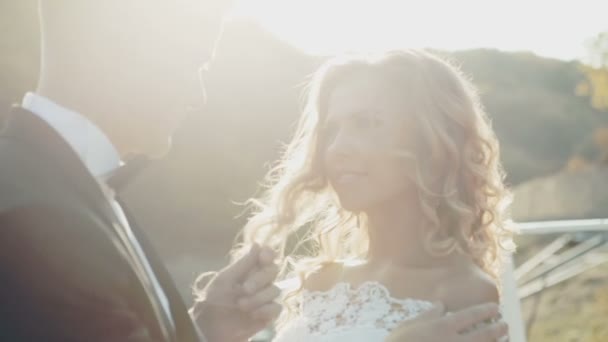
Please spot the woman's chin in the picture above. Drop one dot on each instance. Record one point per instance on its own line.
(354, 205)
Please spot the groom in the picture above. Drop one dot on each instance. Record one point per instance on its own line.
(115, 78)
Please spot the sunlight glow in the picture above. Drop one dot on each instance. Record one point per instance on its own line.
(556, 29)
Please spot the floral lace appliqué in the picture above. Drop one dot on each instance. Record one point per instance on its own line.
(368, 305)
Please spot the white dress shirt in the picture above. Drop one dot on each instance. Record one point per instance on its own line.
(87, 140)
(99, 156)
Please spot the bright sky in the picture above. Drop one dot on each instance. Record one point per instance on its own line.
(557, 28)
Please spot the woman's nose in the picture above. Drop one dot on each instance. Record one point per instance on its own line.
(343, 145)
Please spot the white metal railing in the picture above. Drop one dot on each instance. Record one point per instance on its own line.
(541, 274)
(563, 226)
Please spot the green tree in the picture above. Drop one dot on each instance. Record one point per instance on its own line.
(597, 71)
(595, 86)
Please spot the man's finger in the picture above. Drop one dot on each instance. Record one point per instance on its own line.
(239, 269)
(490, 333)
(468, 317)
(267, 295)
(260, 279)
(268, 312)
(437, 311)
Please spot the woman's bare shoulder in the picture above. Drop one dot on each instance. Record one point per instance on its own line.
(324, 278)
(470, 286)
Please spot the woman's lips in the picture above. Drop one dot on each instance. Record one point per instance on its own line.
(349, 177)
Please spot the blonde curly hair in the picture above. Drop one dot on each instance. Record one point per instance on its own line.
(458, 177)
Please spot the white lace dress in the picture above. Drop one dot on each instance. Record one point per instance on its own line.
(367, 313)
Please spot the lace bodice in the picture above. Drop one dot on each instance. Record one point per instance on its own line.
(366, 313)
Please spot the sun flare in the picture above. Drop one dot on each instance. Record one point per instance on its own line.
(334, 26)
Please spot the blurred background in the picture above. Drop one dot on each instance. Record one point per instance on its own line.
(541, 66)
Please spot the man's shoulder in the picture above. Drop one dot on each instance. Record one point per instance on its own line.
(40, 194)
(28, 176)
(41, 206)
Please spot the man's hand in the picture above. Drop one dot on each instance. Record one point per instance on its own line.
(434, 326)
(239, 300)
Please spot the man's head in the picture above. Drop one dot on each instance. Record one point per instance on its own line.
(131, 66)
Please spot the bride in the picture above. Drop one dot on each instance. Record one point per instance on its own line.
(388, 200)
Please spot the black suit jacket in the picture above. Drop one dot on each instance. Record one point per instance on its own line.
(66, 270)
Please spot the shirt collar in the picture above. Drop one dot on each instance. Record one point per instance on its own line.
(87, 140)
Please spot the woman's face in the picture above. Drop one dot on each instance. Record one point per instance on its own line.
(366, 125)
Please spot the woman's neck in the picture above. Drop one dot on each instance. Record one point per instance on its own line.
(396, 235)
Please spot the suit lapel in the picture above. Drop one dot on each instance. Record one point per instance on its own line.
(26, 127)
(186, 330)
